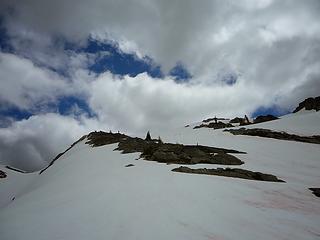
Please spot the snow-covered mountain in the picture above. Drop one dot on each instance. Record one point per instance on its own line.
(99, 193)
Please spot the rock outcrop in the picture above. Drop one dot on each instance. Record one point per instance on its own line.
(315, 191)
(267, 133)
(178, 153)
(237, 120)
(264, 118)
(230, 172)
(214, 125)
(156, 150)
(309, 104)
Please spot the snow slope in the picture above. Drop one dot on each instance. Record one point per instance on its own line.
(90, 194)
(300, 123)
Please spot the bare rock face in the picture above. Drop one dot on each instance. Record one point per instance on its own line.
(309, 104)
(3, 174)
(264, 118)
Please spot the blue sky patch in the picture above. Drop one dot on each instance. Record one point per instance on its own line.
(110, 58)
(74, 105)
(273, 110)
(15, 113)
(5, 46)
(180, 73)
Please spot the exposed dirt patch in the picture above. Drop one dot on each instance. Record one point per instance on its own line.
(230, 172)
(260, 132)
(3, 174)
(315, 191)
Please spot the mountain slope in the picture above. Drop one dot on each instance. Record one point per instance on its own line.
(88, 193)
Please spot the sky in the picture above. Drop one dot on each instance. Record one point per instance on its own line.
(69, 67)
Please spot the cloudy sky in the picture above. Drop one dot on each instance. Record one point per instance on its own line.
(68, 67)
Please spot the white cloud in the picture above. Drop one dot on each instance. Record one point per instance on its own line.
(31, 144)
(142, 103)
(273, 46)
(25, 85)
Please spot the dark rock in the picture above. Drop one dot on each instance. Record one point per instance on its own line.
(246, 121)
(315, 191)
(129, 165)
(131, 145)
(226, 159)
(230, 172)
(237, 120)
(260, 132)
(163, 156)
(215, 119)
(265, 118)
(156, 150)
(3, 174)
(309, 104)
(16, 169)
(101, 138)
(148, 137)
(214, 125)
